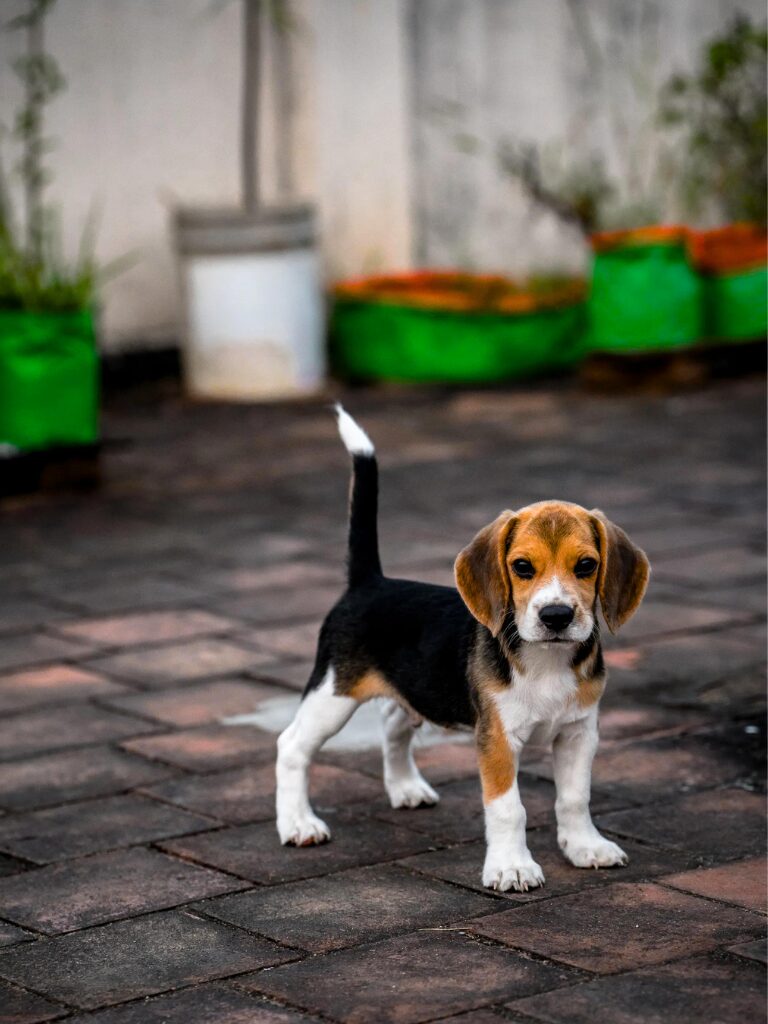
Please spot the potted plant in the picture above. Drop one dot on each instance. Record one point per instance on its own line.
(49, 365)
(644, 293)
(250, 276)
(450, 326)
(722, 112)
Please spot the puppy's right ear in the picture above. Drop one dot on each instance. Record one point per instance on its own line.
(481, 573)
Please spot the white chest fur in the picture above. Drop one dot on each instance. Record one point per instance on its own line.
(542, 696)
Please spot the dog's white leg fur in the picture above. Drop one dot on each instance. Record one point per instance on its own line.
(508, 861)
(572, 754)
(321, 715)
(404, 783)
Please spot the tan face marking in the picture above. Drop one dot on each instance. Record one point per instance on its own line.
(553, 559)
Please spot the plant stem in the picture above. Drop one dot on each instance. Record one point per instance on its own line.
(249, 138)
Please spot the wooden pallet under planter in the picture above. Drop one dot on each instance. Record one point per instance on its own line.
(444, 326)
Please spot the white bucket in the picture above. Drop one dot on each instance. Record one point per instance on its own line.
(253, 304)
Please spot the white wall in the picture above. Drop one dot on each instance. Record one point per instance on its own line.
(581, 73)
(391, 112)
(148, 120)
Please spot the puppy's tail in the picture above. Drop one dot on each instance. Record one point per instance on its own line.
(363, 557)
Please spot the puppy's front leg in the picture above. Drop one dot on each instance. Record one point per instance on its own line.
(572, 754)
(508, 861)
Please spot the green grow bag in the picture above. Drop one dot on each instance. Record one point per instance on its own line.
(736, 305)
(732, 263)
(645, 294)
(49, 379)
(426, 328)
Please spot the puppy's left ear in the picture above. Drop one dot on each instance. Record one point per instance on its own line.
(624, 572)
(481, 573)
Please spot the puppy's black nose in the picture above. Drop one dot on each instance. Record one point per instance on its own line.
(556, 616)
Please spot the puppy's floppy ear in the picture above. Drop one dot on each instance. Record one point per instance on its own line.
(624, 572)
(481, 573)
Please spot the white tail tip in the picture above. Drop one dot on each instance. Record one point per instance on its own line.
(355, 439)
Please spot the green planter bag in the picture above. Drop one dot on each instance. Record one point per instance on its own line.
(451, 328)
(49, 379)
(732, 265)
(645, 295)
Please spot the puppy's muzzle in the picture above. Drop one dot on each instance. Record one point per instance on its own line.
(557, 617)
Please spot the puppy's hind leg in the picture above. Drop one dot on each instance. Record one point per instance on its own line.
(404, 783)
(322, 713)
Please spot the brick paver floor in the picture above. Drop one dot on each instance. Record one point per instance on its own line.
(141, 879)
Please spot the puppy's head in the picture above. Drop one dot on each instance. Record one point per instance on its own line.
(547, 565)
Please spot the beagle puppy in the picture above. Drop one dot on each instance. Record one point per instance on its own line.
(513, 653)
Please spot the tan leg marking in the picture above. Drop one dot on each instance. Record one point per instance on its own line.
(494, 754)
(590, 691)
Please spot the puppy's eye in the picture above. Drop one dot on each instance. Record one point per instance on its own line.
(585, 567)
(523, 569)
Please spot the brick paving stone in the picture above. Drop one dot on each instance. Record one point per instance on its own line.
(620, 927)
(73, 775)
(755, 950)
(195, 704)
(10, 934)
(175, 663)
(728, 564)
(209, 747)
(248, 794)
(463, 866)
(474, 1017)
(742, 883)
(294, 674)
(348, 908)
(282, 575)
(685, 992)
(136, 958)
(146, 628)
(678, 667)
(10, 865)
(716, 826)
(49, 729)
(18, 1006)
(213, 1003)
(51, 684)
(127, 592)
(620, 722)
(299, 642)
(747, 596)
(655, 618)
(94, 826)
(283, 605)
(105, 887)
(254, 851)
(671, 764)
(440, 764)
(408, 979)
(22, 613)
(459, 815)
(23, 649)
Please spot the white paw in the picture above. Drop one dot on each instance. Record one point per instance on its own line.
(592, 852)
(302, 830)
(413, 791)
(520, 875)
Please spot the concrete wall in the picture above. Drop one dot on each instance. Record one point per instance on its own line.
(576, 76)
(147, 120)
(390, 114)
